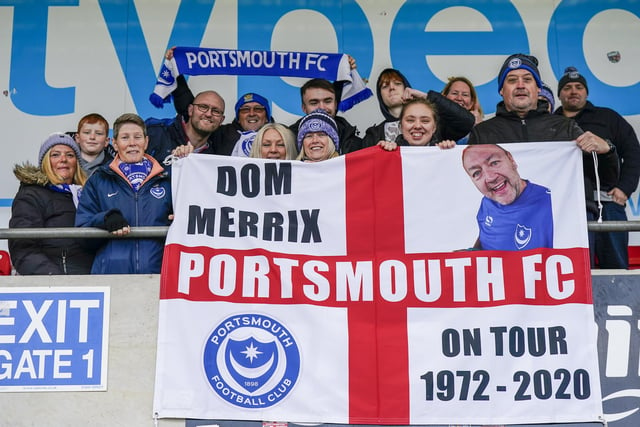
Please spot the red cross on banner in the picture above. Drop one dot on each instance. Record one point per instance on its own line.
(377, 350)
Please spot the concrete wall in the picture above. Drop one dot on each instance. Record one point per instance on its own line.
(133, 329)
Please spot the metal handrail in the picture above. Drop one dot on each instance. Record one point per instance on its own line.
(160, 232)
(613, 226)
(80, 232)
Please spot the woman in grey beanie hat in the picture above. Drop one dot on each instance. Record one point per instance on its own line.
(48, 197)
(57, 138)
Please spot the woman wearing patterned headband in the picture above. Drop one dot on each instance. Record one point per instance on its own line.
(318, 138)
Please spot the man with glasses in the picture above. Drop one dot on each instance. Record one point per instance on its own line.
(235, 138)
(195, 133)
(252, 112)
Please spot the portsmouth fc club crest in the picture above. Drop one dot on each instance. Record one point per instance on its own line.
(522, 236)
(251, 360)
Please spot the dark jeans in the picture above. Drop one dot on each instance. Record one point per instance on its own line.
(611, 248)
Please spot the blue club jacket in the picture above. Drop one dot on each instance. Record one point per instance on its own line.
(109, 189)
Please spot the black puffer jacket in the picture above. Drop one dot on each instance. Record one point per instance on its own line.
(37, 206)
(538, 126)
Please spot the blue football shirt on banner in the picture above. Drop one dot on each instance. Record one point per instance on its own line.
(527, 223)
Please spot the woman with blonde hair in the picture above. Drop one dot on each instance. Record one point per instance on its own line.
(274, 141)
(48, 197)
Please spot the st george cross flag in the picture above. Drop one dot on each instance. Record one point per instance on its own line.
(357, 290)
(209, 61)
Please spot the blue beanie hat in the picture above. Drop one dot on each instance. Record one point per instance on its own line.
(547, 93)
(57, 138)
(519, 61)
(253, 97)
(318, 121)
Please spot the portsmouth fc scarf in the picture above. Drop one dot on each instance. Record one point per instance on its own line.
(204, 61)
(136, 173)
(74, 189)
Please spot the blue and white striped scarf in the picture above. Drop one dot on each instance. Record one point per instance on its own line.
(203, 61)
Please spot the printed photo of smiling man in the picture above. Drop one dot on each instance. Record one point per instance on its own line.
(515, 214)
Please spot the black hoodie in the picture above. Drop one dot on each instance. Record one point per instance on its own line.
(454, 121)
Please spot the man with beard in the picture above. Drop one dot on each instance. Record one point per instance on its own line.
(235, 138)
(611, 248)
(515, 214)
(195, 134)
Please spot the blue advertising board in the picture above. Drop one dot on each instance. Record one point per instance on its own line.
(616, 300)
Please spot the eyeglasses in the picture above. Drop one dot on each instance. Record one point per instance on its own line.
(256, 109)
(204, 108)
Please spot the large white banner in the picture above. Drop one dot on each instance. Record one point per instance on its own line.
(354, 290)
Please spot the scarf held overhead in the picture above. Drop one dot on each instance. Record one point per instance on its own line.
(204, 61)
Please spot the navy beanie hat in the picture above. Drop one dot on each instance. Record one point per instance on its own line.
(571, 74)
(318, 121)
(519, 61)
(547, 93)
(57, 138)
(253, 97)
